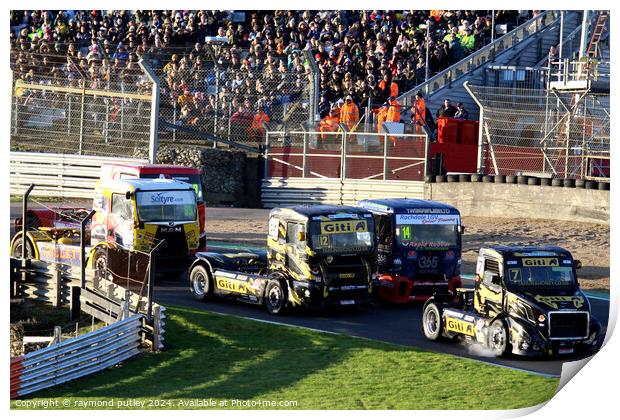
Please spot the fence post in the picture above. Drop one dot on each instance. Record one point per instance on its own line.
(385, 154)
(57, 279)
(343, 160)
(266, 161)
(83, 248)
(82, 116)
(25, 260)
(154, 126)
(304, 163)
(154, 251)
(57, 336)
(75, 302)
(156, 328)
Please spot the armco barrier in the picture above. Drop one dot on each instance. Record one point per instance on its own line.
(58, 175)
(75, 358)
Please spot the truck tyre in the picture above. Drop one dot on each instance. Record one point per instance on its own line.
(100, 263)
(533, 181)
(432, 322)
(488, 178)
(475, 177)
(511, 179)
(591, 185)
(276, 296)
(452, 178)
(569, 183)
(557, 182)
(499, 341)
(440, 178)
(522, 179)
(464, 177)
(580, 183)
(500, 179)
(16, 251)
(545, 182)
(604, 186)
(200, 283)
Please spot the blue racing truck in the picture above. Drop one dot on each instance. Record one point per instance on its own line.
(418, 249)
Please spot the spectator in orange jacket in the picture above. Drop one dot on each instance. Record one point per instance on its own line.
(419, 112)
(349, 114)
(329, 124)
(256, 129)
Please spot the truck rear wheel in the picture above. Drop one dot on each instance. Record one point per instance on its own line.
(276, 296)
(16, 251)
(200, 283)
(432, 322)
(100, 263)
(499, 341)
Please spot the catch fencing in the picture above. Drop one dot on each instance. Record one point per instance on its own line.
(547, 132)
(223, 91)
(61, 106)
(341, 167)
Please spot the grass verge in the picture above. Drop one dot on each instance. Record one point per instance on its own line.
(226, 359)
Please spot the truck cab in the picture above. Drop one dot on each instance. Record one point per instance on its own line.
(323, 252)
(526, 300)
(192, 176)
(418, 248)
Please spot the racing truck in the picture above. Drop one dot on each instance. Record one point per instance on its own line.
(130, 215)
(317, 256)
(418, 249)
(526, 301)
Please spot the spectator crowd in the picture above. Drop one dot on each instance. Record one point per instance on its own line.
(257, 65)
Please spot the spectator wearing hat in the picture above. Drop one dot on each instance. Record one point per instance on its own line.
(349, 114)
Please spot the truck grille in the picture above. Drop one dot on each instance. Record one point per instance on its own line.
(344, 274)
(568, 325)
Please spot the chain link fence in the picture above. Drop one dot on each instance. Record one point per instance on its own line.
(61, 105)
(547, 132)
(229, 92)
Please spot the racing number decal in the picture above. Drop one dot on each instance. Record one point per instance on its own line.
(461, 327)
(515, 274)
(406, 232)
(324, 240)
(428, 262)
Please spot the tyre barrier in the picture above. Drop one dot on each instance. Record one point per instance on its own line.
(569, 183)
(519, 179)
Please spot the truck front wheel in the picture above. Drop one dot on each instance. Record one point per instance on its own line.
(432, 322)
(200, 283)
(100, 263)
(276, 296)
(499, 341)
(17, 250)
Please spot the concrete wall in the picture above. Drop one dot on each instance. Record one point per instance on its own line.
(523, 201)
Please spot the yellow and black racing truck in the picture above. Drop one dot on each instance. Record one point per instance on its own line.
(317, 256)
(526, 301)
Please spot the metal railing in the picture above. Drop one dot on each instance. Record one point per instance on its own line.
(480, 57)
(76, 357)
(58, 175)
(346, 155)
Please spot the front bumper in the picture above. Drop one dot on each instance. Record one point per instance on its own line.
(400, 289)
(312, 295)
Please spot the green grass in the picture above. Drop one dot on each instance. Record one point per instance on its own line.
(210, 356)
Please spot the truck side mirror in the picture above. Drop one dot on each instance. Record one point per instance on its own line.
(577, 264)
(128, 195)
(461, 229)
(301, 236)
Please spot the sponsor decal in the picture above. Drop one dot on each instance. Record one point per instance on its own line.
(342, 216)
(58, 253)
(427, 219)
(553, 301)
(428, 211)
(412, 255)
(346, 275)
(535, 254)
(345, 226)
(232, 286)
(165, 198)
(541, 262)
(428, 262)
(461, 327)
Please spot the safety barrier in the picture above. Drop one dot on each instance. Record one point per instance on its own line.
(75, 358)
(292, 191)
(58, 175)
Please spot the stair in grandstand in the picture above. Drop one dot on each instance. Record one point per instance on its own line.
(598, 34)
(528, 45)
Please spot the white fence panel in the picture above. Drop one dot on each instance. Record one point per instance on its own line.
(58, 175)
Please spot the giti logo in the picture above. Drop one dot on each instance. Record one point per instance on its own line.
(540, 262)
(459, 326)
(347, 226)
(231, 286)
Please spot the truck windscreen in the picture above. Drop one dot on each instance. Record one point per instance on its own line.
(540, 272)
(427, 230)
(166, 206)
(342, 236)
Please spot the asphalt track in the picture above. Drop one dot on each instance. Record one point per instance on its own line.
(394, 324)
